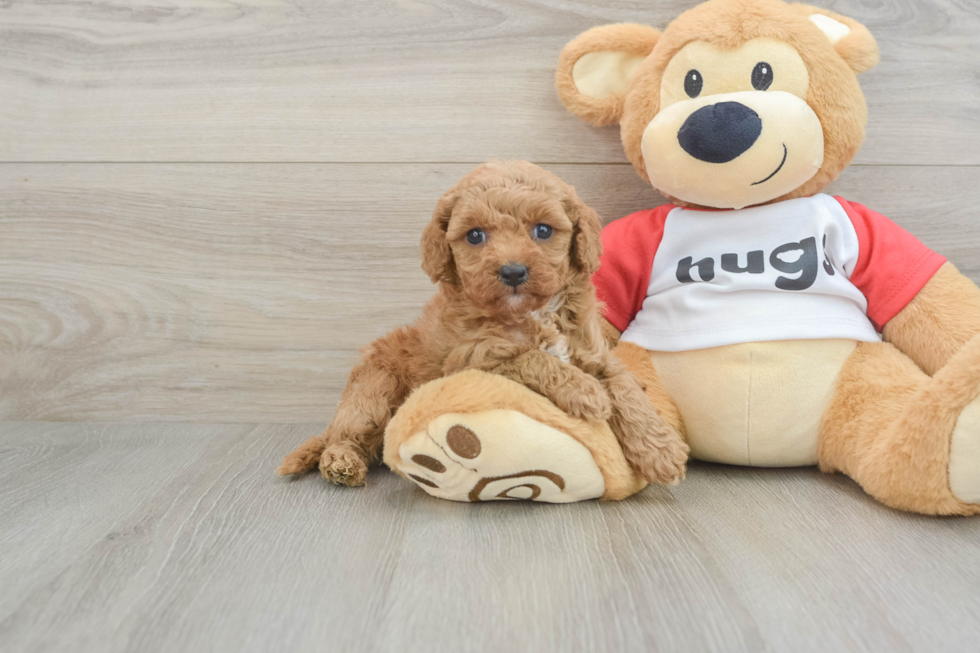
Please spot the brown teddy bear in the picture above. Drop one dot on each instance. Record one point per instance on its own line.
(770, 324)
(774, 325)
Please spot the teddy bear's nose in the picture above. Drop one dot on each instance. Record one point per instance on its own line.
(719, 132)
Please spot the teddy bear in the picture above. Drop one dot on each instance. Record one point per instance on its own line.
(770, 324)
(773, 324)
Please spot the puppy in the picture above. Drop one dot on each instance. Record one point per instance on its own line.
(513, 250)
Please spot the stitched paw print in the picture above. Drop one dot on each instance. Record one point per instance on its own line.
(499, 455)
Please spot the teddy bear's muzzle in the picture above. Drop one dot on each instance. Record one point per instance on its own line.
(718, 133)
(731, 150)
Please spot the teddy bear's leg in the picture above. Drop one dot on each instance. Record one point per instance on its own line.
(475, 436)
(912, 441)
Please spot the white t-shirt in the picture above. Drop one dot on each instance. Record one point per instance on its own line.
(677, 279)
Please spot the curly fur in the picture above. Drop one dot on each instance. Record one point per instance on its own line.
(545, 334)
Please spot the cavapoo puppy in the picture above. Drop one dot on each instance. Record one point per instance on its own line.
(513, 249)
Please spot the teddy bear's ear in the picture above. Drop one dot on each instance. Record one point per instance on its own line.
(852, 40)
(596, 69)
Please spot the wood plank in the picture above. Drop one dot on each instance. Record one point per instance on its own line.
(849, 572)
(284, 557)
(414, 80)
(63, 488)
(598, 577)
(240, 293)
(218, 554)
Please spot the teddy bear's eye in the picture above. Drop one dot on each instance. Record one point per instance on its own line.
(693, 83)
(761, 76)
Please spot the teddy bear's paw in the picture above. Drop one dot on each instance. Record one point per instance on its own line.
(498, 455)
(964, 455)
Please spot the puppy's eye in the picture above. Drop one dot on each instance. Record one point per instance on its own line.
(475, 236)
(542, 232)
(761, 76)
(693, 83)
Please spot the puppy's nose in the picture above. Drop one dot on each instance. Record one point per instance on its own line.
(513, 274)
(720, 132)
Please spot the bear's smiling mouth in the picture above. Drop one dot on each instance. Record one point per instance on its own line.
(781, 164)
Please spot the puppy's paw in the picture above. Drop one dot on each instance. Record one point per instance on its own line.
(592, 408)
(663, 462)
(342, 466)
(584, 398)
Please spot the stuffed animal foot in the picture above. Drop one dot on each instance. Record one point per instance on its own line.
(498, 455)
(475, 436)
(912, 441)
(964, 455)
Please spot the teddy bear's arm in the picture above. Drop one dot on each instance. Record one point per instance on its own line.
(939, 320)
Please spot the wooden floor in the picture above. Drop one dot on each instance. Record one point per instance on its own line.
(206, 207)
(178, 537)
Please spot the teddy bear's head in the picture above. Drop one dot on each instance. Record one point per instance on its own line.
(736, 103)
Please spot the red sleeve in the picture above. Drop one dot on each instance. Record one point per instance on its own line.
(892, 265)
(628, 247)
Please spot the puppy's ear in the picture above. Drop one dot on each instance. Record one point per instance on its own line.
(437, 256)
(587, 234)
(596, 70)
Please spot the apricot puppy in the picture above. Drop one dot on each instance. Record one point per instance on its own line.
(513, 249)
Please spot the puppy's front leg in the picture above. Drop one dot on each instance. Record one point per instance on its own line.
(481, 354)
(353, 440)
(575, 392)
(655, 450)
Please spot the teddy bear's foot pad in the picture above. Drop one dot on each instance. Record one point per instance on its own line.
(499, 455)
(964, 455)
